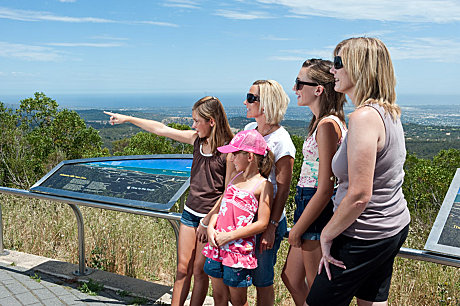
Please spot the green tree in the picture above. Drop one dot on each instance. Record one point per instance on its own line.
(426, 183)
(37, 136)
(144, 143)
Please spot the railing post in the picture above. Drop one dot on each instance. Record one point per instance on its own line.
(2, 250)
(82, 270)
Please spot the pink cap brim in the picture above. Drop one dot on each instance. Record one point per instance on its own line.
(227, 149)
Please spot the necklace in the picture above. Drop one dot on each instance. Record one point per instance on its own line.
(267, 132)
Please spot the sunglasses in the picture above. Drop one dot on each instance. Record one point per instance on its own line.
(251, 98)
(299, 84)
(338, 64)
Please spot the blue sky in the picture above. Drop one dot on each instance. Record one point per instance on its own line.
(200, 46)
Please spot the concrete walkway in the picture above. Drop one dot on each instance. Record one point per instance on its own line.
(34, 280)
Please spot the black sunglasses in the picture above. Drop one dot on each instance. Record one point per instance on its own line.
(299, 84)
(338, 64)
(251, 98)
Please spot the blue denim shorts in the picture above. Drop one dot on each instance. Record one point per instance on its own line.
(190, 219)
(263, 275)
(302, 197)
(233, 277)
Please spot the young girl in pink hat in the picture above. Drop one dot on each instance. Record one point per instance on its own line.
(230, 252)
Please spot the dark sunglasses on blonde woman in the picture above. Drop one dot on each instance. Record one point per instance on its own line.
(251, 98)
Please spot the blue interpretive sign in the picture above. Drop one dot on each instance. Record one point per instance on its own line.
(152, 181)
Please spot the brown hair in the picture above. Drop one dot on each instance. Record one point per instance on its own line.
(210, 107)
(331, 102)
(265, 163)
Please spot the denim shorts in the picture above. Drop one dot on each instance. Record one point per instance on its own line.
(263, 275)
(233, 277)
(189, 219)
(302, 197)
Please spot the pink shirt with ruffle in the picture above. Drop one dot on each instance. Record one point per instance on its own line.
(237, 209)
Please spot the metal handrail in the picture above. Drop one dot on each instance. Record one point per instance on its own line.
(174, 219)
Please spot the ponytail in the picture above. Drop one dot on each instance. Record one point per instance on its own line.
(265, 163)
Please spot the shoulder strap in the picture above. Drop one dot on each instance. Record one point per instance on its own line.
(257, 185)
(235, 177)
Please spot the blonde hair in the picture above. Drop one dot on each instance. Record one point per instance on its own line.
(273, 100)
(211, 108)
(368, 64)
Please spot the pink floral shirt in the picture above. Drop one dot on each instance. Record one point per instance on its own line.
(237, 209)
(310, 165)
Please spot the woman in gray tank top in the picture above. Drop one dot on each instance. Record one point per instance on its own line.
(370, 221)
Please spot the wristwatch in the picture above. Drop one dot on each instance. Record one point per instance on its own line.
(275, 223)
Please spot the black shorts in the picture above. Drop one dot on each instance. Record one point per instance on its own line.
(367, 276)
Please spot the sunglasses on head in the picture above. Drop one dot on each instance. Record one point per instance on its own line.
(299, 84)
(251, 98)
(338, 64)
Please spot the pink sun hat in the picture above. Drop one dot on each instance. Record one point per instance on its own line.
(248, 141)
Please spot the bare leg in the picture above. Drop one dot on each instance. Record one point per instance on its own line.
(186, 254)
(220, 292)
(239, 296)
(311, 250)
(200, 279)
(265, 296)
(293, 276)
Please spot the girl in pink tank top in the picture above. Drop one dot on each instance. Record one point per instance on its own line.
(244, 211)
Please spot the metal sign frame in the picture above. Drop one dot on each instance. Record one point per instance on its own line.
(450, 208)
(38, 188)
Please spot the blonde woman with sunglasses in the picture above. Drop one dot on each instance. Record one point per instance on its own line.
(371, 219)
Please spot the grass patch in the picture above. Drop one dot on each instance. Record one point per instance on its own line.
(144, 248)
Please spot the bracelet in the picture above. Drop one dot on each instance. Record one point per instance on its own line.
(202, 224)
(275, 223)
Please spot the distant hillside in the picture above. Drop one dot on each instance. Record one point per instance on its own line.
(423, 140)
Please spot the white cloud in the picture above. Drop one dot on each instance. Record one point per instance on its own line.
(438, 11)
(429, 48)
(242, 15)
(271, 37)
(422, 48)
(29, 52)
(161, 24)
(68, 1)
(95, 45)
(23, 15)
(182, 4)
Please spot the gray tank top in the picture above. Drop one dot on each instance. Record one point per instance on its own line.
(386, 214)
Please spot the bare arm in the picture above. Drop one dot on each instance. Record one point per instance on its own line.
(230, 172)
(284, 168)
(155, 127)
(263, 216)
(365, 137)
(327, 138)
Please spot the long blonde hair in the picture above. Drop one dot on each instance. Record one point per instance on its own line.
(211, 108)
(368, 64)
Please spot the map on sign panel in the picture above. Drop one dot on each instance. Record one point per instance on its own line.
(154, 182)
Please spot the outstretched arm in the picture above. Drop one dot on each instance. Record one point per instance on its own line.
(155, 127)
